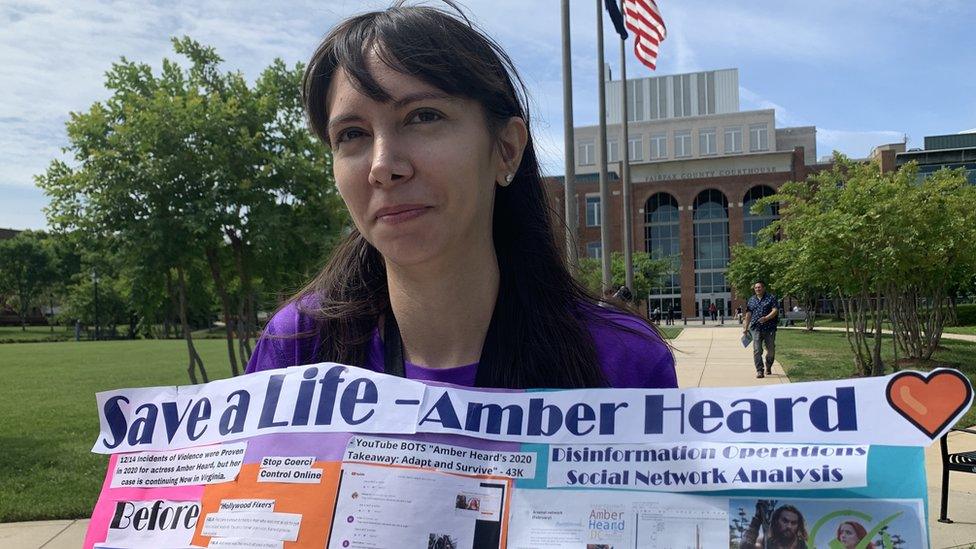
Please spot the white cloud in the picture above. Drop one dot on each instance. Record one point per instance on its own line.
(750, 100)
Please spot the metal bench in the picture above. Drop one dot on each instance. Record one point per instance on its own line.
(964, 462)
(790, 318)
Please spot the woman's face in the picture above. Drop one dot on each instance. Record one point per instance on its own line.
(417, 173)
(847, 536)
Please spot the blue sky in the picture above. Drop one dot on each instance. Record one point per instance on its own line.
(865, 72)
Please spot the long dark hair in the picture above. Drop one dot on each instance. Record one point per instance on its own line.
(541, 337)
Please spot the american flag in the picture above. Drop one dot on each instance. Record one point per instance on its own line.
(645, 21)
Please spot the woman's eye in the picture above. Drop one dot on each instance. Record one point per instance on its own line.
(349, 134)
(425, 116)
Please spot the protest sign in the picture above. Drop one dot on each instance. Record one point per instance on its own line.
(334, 456)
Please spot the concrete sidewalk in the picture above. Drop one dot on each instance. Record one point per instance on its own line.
(49, 534)
(714, 357)
(706, 357)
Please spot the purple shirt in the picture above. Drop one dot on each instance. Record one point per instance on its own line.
(627, 360)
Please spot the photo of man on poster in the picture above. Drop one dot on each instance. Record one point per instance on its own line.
(780, 527)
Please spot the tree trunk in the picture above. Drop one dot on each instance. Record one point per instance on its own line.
(218, 279)
(935, 322)
(23, 309)
(952, 315)
(851, 331)
(811, 312)
(172, 299)
(194, 358)
(877, 365)
(246, 324)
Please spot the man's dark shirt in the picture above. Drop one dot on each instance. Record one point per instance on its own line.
(760, 308)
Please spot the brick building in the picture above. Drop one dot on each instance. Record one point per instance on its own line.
(697, 164)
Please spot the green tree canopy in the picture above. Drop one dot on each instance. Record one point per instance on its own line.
(648, 273)
(194, 169)
(27, 270)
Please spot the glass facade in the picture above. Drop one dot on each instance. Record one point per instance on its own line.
(753, 223)
(711, 223)
(662, 241)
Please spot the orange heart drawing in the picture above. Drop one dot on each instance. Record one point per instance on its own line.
(930, 402)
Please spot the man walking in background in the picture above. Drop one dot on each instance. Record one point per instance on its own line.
(760, 321)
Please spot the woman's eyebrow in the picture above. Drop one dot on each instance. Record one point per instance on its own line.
(339, 120)
(421, 96)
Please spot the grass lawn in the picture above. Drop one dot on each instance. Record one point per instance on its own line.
(815, 356)
(10, 334)
(48, 418)
(670, 332)
(831, 323)
(967, 330)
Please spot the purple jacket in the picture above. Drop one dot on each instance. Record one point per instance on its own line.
(627, 360)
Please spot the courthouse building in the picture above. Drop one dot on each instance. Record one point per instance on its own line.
(697, 164)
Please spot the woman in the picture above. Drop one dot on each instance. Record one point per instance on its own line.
(451, 272)
(850, 533)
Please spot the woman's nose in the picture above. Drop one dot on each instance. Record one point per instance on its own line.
(390, 163)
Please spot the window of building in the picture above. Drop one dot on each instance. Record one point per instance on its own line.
(752, 223)
(733, 139)
(711, 236)
(706, 141)
(635, 100)
(587, 153)
(758, 137)
(682, 143)
(661, 240)
(682, 94)
(635, 148)
(613, 150)
(706, 93)
(594, 250)
(659, 145)
(658, 98)
(593, 211)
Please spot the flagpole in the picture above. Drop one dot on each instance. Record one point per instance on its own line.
(601, 154)
(569, 165)
(625, 172)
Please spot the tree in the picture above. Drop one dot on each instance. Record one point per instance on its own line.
(27, 270)
(890, 246)
(935, 255)
(648, 273)
(193, 170)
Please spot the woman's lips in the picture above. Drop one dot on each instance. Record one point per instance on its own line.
(400, 214)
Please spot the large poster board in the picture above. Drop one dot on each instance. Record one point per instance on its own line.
(340, 457)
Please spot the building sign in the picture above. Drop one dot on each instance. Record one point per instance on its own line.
(711, 168)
